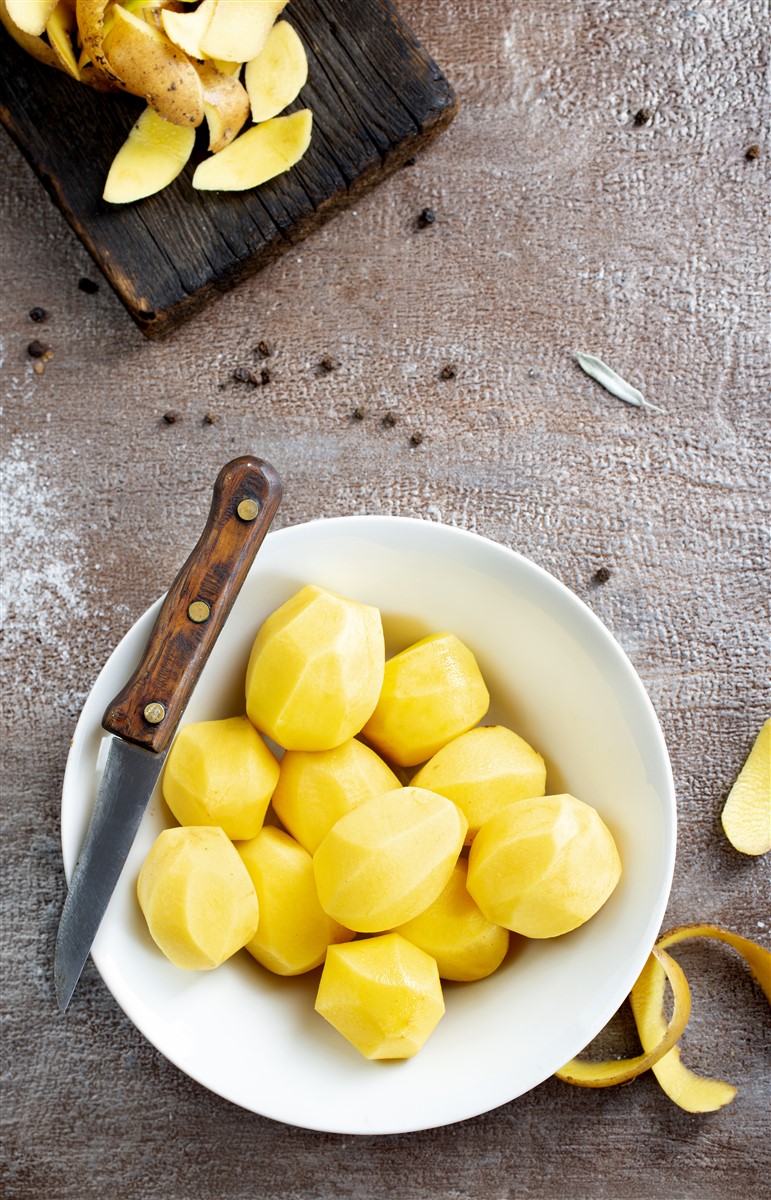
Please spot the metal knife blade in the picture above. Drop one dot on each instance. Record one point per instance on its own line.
(145, 714)
(130, 775)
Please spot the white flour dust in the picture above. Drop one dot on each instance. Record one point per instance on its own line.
(40, 584)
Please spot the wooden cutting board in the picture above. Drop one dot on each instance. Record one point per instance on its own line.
(377, 98)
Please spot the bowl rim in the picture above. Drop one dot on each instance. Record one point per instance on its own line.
(353, 524)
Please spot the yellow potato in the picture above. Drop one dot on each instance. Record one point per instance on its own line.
(432, 692)
(316, 667)
(220, 773)
(260, 154)
(278, 74)
(294, 931)
(197, 897)
(382, 994)
(151, 157)
(315, 789)
(482, 771)
(225, 104)
(388, 859)
(452, 930)
(239, 28)
(150, 66)
(543, 867)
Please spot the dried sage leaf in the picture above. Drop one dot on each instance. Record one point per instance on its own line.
(613, 382)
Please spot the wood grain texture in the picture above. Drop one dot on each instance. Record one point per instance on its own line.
(561, 225)
(377, 98)
(213, 575)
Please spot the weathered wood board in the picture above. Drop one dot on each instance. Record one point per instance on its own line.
(377, 97)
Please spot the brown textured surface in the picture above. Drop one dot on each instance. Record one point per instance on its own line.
(560, 225)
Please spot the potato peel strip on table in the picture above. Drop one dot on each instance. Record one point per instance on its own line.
(659, 1038)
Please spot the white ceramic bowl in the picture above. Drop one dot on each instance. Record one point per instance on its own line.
(557, 677)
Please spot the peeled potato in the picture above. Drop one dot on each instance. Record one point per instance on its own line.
(316, 665)
(746, 816)
(258, 155)
(387, 860)
(432, 692)
(316, 788)
(150, 66)
(151, 157)
(294, 931)
(543, 867)
(455, 932)
(220, 773)
(382, 994)
(198, 900)
(278, 74)
(482, 771)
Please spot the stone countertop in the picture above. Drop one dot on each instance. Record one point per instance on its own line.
(563, 222)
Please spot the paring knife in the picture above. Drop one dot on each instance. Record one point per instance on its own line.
(143, 717)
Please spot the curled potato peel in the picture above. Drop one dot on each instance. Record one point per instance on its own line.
(691, 1092)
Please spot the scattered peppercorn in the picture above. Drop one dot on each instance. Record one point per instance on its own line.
(411, 161)
(37, 314)
(88, 286)
(752, 152)
(416, 438)
(643, 116)
(448, 372)
(171, 417)
(602, 575)
(264, 376)
(328, 363)
(389, 420)
(359, 413)
(37, 349)
(426, 217)
(263, 349)
(209, 418)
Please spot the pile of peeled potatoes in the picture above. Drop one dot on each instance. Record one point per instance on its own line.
(228, 63)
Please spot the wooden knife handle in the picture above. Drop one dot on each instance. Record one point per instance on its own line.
(148, 709)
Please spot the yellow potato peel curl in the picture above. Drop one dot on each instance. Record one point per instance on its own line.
(659, 1038)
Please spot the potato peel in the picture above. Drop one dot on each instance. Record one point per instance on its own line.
(746, 817)
(583, 1073)
(691, 1092)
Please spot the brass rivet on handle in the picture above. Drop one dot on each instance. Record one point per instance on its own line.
(248, 509)
(154, 712)
(199, 611)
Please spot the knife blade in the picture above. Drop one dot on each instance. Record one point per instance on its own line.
(144, 716)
